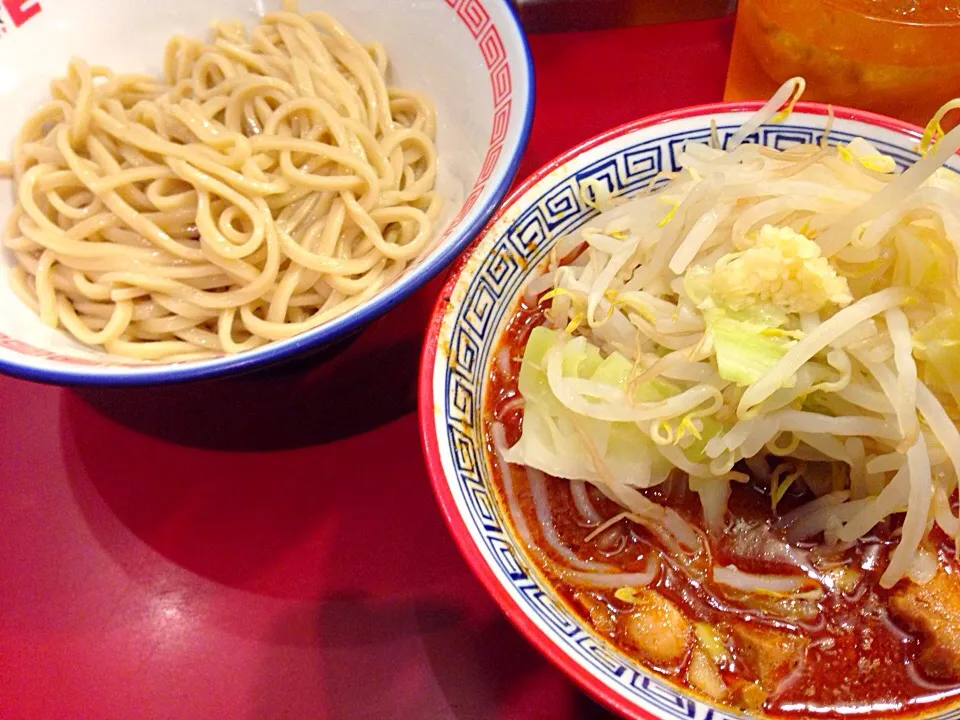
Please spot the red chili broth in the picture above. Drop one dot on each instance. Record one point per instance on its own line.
(857, 658)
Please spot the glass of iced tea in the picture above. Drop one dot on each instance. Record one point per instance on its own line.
(896, 57)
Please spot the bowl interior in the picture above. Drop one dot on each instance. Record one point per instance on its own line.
(467, 328)
(468, 55)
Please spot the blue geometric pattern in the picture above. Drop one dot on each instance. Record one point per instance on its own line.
(473, 326)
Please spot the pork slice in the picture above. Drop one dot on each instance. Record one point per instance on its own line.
(769, 655)
(932, 611)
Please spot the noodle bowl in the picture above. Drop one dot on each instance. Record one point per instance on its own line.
(718, 415)
(269, 182)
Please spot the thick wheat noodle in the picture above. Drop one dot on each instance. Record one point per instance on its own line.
(267, 184)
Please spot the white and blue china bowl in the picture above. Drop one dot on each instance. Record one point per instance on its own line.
(469, 319)
(469, 55)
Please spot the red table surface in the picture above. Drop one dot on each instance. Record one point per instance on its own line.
(269, 546)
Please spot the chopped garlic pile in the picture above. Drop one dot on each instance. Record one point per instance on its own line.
(783, 268)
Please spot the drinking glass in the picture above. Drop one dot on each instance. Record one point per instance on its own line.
(896, 57)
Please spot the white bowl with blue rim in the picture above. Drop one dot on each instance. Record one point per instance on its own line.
(469, 55)
(471, 315)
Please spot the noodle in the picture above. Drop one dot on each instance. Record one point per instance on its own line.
(268, 183)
